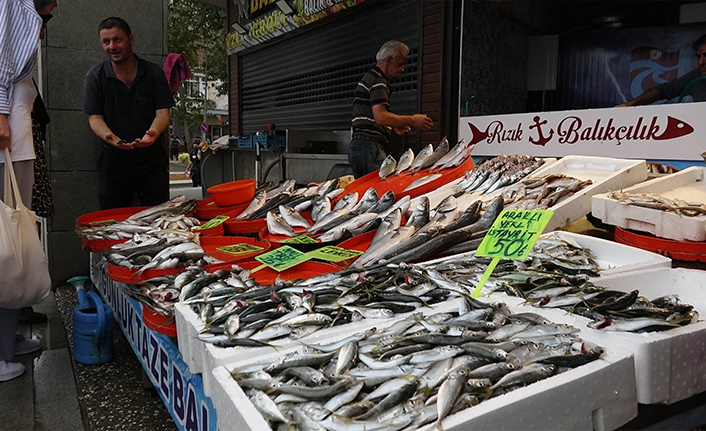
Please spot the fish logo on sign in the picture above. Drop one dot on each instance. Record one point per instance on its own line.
(651, 66)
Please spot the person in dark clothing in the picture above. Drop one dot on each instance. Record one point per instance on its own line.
(193, 169)
(372, 120)
(127, 100)
(692, 83)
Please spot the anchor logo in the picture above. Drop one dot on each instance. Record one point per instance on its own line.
(542, 140)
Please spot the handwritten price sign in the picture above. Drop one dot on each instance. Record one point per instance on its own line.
(332, 253)
(217, 220)
(237, 249)
(281, 258)
(512, 236)
(301, 239)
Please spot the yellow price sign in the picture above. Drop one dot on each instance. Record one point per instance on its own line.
(301, 239)
(332, 253)
(237, 249)
(512, 236)
(282, 258)
(217, 220)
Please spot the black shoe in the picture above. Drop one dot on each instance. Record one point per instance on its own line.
(31, 317)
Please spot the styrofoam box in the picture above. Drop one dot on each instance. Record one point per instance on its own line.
(687, 185)
(613, 258)
(670, 365)
(597, 396)
(202, 357)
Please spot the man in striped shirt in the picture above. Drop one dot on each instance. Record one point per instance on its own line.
(372, 120)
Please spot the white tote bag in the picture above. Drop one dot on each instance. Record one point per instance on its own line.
(24, 269)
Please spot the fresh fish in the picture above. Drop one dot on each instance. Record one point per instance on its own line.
(266, 406)
(422, 156)
(348, 201)
(319, 208)
(405, 161)
(455, 151)
(421, 181)
(439, 152)
(292, 217)
(370, 197)
(449, 392)
(388, 167)
(385, 202)
(402, 205)
(331, 220)
(257, 203)
(389, 223)
(338, 231)
(347, 357)
(152, 213)
(276, 225)
(420, 215)
(308, 375)
(344, 398)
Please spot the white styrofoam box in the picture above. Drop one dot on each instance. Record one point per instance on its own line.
(596, 396)
(613, 258)
(687, 185)
(670, 365)
(605, 173)
(202, 357)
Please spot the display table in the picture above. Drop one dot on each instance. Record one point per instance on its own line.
(180, 390)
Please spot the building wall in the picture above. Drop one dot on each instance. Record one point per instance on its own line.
(494, 56)
(70, 49)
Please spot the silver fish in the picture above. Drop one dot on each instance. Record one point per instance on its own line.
(319, 208)
(422, 156)
(338, 231)
(257, 203)
(292, 217)
(388, 167)
(439, 152)
(344, 398)
(455, 151)
(266, 406)
(402, 204)
(389, 223)
(421, 181)
(347, 357)
(348, 201)
(384, 203)
(405, 162)
(277, 226)
(449, 392)
(370, 197)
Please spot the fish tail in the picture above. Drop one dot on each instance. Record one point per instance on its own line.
(274, 346)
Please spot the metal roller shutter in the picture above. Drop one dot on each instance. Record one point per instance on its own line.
(308, 80)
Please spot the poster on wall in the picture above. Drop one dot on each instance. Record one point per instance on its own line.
(600, 69)
(265, 20)
(662, 132)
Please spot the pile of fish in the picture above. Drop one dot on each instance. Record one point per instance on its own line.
(557, 275)
(654, 201)
(417, 371)
(169, 216)
(423, 237)
(436, 160)
(542, 193)
(500, 171)
(272, 197)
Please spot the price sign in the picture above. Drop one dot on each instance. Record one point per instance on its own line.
(281, 258)
(217, 220)
(301, 239)
(332, 253)
(237, 249)
(512, 236)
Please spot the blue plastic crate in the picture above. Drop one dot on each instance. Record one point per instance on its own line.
(246, 141)
(270, 141)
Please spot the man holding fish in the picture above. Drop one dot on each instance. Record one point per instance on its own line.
(372, 119)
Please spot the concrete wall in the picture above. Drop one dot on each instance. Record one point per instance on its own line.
(70, 49)
(494, 55)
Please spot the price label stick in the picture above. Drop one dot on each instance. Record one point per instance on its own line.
(512, 236)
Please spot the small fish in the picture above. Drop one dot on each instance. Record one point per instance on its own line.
(257, 203)
(421, 181)
(292, 217)
(277, 226)
(348, 201)
(388, 167)
(405, 161)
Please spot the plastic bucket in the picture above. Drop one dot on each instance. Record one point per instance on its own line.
(93, 330)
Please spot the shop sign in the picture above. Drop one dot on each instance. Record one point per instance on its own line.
(279, 21)
(672, 132)
(180, 390)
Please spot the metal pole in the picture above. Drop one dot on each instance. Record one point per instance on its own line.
(205, 92)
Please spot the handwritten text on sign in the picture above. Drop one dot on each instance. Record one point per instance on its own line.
(301, 239)
(282, 258)
(334, 254)
(237, 249)
(213, 222)
(514, 233)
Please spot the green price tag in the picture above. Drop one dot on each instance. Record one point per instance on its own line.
(282, 258)
(332, 253)
(512, 236)
(217, 220)
(237, 249)
(301, 239)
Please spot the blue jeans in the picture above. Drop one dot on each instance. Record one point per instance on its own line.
(365, 155)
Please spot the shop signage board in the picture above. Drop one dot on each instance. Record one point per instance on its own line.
(661, 132)
(278, 20)
(180, 390)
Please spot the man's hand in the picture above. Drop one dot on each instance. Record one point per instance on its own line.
(401, 130)
(116, 142)
(422, 122)
(622, 105)
(5, 141)
(147, 140)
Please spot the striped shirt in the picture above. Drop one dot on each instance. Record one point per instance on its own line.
(19, 37)
(372, 90)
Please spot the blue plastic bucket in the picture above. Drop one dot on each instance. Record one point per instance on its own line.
(93, 330)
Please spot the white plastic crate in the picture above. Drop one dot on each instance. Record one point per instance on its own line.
(597, 396)
(670, 365)
(687, 185)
